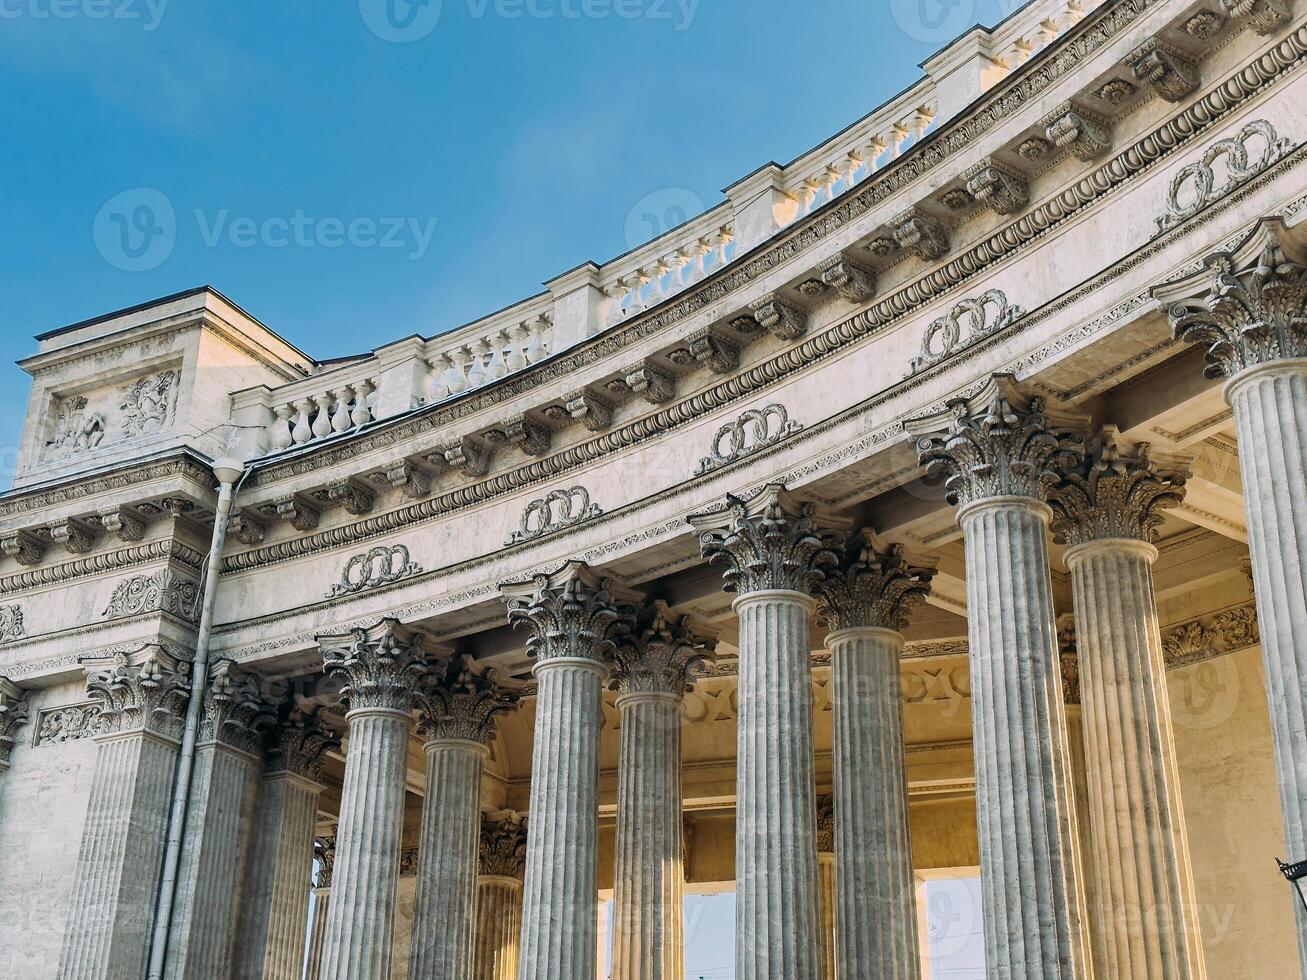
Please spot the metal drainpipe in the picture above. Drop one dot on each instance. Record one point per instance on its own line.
(231, 474)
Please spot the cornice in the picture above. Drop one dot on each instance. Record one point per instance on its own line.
(154, 551)
(1096, 31)
(26, 501)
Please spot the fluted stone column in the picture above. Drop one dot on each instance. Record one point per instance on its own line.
(866, 602)
(775, 554)
(997, 451)
(142, 698)
(648, 870)
(324, 849)
(13, 714)
(275, 907)
(574, 618)
(1107, 509)
(383, 667)
(228, 758)
(1250, 309)
(457, 719)
(499, 897)
(826, 882)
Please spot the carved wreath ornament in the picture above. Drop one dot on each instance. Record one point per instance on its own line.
(380, 566)
(1195, 187)
(984, 315)
(557, 510)
(756, 429)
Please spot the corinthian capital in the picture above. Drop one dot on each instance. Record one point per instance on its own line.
(660, 658)
(998, 443)
(464, 705)
(382, 666)
(236, 712)
(825, 825)
(573, 612)
(303, 740)
(13, 714)
(1248, 306)
(874, 586)
(1115, 492)
(144, 691)
(324, 849)
(503, 845)
(770, 540)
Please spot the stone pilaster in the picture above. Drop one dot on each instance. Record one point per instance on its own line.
(13, 715)
(998, 452)
(324, 849)
(1107, 509)
(826, 881)
(1249, 308)
(383, 668)
(275, 907)
(142, 698)
(649, 873)
(775, 554)
(866, 602)
(220, 811)
(574, 618)
(499, 897)
(457, 719)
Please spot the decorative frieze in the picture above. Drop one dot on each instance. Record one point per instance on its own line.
(147, 404)
(985, 315)
(1001, 188)
(555, 511)
(77, 429)
(67, 723)
(1194, 187)
(1079, 130)
(11, 623)
(1211, 636)
(164, 591)
(382, 565)
(1168, 71)
(754, 430)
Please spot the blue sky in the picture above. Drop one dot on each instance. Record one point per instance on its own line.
(511, 140)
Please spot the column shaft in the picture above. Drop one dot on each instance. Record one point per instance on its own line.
(1270, 409)
(361, 917)
(499, 928)
(876, 902)
(648, 871)
(111, 911)
(560, 900)
(1024, 811)
(275, 910)
(444, 922)
(1136, 826)
(317, 932)
(777, 932)
(829, 904)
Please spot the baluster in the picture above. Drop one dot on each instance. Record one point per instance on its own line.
(898, 135)
(303, 430)
(362, 413)
(922, 121)
(340, 420)
(849, 168)
(658, 270)
(536, 350)
(807, 194)
(826, 181)
(1074, 12)
(720, 242)
(437, 387)
(698, 252)
(1048, 31)
(322, 420)
(476, 374)
(615, 291)
(497, 367)
(456, 377)
(1022, 49)
(680, 262)
(872, 153)
(282, 437)
(545, 335)
(517, 357)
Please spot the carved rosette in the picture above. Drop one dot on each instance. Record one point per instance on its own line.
(13, 714)
(382, 666)
(573, 612)
(1248, 307)
(997, 444)
(324, 849)
(1113, 494)
(825, 825)
(503, 845)
(874, 586)
(660, 658)
(464, 706)
(768, 541)
(145, 691)
(303, 740)
(236, 712)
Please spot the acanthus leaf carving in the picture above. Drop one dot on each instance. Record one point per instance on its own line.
(124, 523)
(1001, 188)
(655, 385)
(13, 714)
(142, 691)
(76, 537)
(573, 612)
(717, 353)
(659, 658)
(1265, 16)
(921, 234)
(502, 851)
(780, 318)
(530, 436)
(23, 547)
(356, 498)
(1082, 131)
(471, 455)
(236, 711)
(383, 667)
(163, 591)
(873, 586)
(412, 482)
(1211, 636)
(11, 623)
(590, 409)
(849, 276)
(464, 705)
(69, 723)
(303, 739)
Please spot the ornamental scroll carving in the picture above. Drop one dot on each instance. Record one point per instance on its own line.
(1194, 187)
(383, 565)
(67, 724)
(554, 512)
(11, 623)
(164, 591)
(1211, 636)
(756, 429)
(984, 315)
